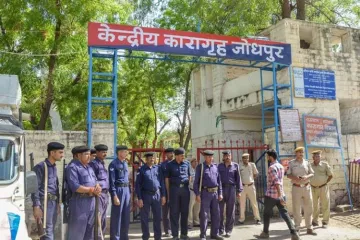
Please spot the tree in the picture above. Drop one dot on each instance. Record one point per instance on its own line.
(48, 40)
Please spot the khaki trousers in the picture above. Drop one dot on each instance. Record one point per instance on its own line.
(324, 196)
(249, 192)
(301, 196)
(194, 210)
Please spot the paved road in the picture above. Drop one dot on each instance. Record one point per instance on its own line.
(338, 230)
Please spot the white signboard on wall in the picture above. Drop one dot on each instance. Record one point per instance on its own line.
(290, 125)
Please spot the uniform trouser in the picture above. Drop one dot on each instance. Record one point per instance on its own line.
(269, 204)
(153, 201)
(82, 217)
(103, 204)
(209, 204)
(324, 196)
(300, 194)
(249, 192)
(51, 217)
(229, 193)
(179, 205)
(194, 210)
(165, 217)
(120, 215)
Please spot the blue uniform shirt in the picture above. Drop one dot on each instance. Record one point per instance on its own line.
(210, 178)
(53, 182)
(178, 173)
(230, 175)
(149, 179)
(118, 173)
(79, 175)
(101, 173)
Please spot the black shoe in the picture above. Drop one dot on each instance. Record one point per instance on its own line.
(217, 237)
(240, 223)
(227, 235)
(167, 235)
(184, 237)
(315, 224)
(175, 238)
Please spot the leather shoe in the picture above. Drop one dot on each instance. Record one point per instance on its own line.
(311, 232)
(217, 237)
(264, 235)
(295, 236)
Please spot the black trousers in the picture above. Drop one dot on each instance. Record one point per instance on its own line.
(269, 204)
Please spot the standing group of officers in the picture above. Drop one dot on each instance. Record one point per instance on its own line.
(175, 190)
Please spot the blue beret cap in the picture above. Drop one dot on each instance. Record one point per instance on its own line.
(226, 152)
(92, 151)
(101, 147)
(121, 147)
(208, 153)
(169, 150)
(82, 149)
(179, 151)
(74, 150)
(149, 154)
(55, 146)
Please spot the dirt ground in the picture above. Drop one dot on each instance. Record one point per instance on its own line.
(343, 226)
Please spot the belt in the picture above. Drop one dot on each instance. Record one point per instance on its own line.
(191, 189)
(82, 195)
(248, 184)
(122, 184)
(150, 192)
(319, 186)
(228, 185)
(211, 190)
(300, 185)
(105, 191)
(51, 197)
(180, 185)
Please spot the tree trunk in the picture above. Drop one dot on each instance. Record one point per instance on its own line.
(182, 123)
(155, 121)
(49, 97)
(188, 136)
(285, 9)
(300, 13)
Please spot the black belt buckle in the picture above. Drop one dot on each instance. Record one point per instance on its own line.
(105, 191)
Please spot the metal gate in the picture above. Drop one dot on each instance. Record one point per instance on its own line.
(257, 155)
(354, 180)
(137, 161)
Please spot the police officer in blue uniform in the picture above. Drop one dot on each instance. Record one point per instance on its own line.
(120, 195)
(55, 153)
(101, 173)
(82, 182)
(232, 188)
(177, 186)
(150, 191)
(209, 194)
(165, 208)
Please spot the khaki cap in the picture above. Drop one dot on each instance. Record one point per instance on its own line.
(316, 152)
(245, 155)
(299, 149)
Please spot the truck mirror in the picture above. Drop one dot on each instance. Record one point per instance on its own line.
(31, 182)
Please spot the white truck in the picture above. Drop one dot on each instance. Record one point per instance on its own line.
(15, 182)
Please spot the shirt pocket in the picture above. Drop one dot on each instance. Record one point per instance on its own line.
(102, 174)
(85, 178)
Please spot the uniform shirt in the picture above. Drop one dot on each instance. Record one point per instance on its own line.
(297, 169)
(231, 175)
(164, 166)
(149, 179)
(275, 177)
(321, 173)
(68, 190)
(192, 174)
(178, 173)
(210, 178)
(79, 175)
(53, 182)
(247, 172)
(118, 173)
(101, 173)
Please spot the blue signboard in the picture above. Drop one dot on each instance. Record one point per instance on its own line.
(314, 83)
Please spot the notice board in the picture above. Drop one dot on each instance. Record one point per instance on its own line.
(290, 125)
(314, 83)
(321, 132)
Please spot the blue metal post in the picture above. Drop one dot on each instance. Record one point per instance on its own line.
(305, 143)
(89, 107)
(291, 87)
(114, 95)
(275, 108)
(262, 107)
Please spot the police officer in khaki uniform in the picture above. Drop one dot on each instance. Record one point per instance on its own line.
(300, 172)
(320, 189)
(248, 173)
